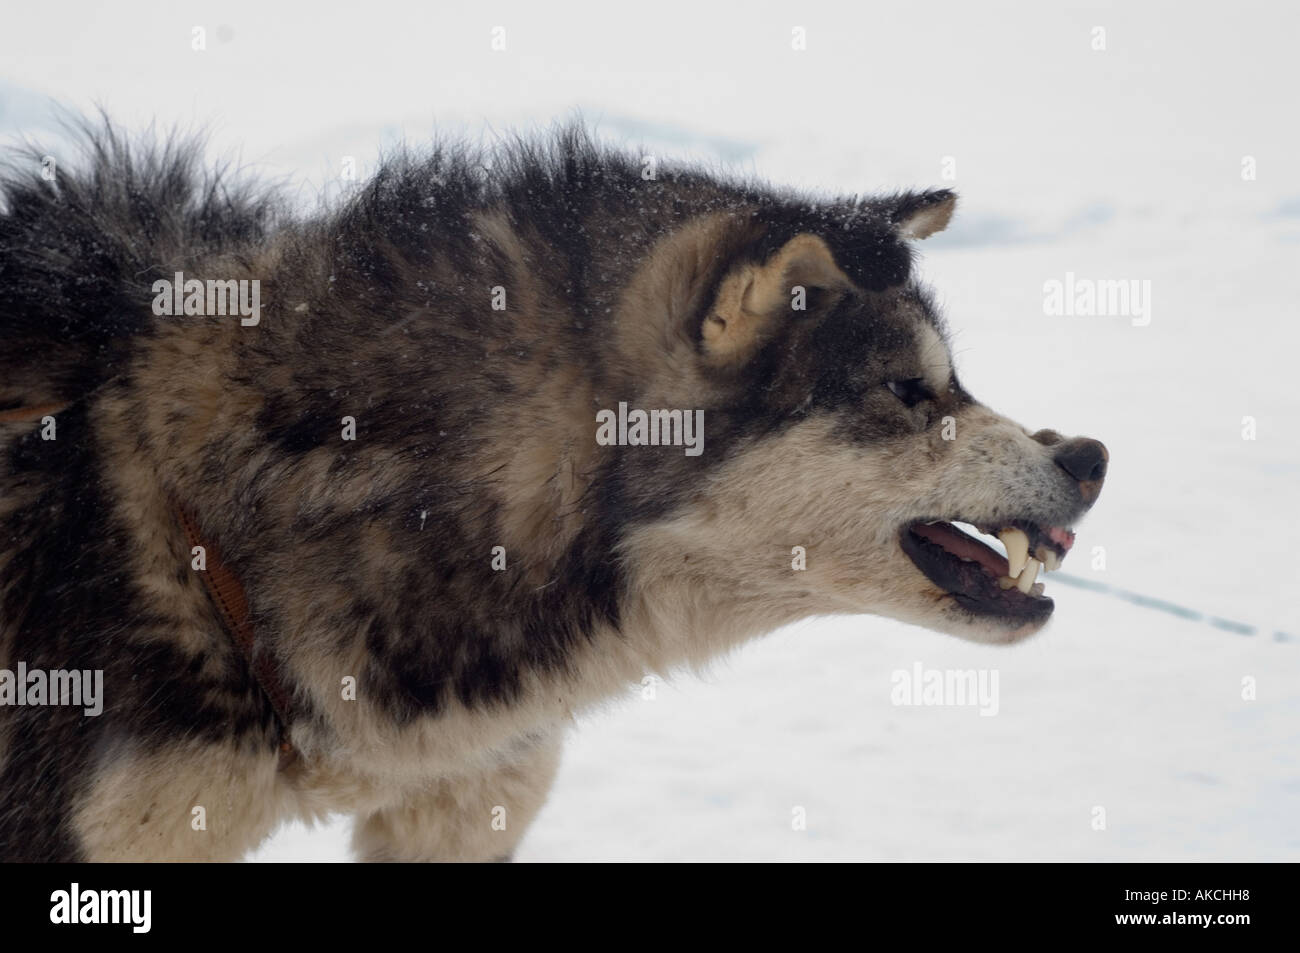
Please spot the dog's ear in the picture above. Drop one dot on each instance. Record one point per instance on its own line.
(920, 214)
(753, 299)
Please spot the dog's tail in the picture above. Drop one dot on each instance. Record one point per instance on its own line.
(81, 243)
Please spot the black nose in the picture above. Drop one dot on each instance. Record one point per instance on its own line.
(1085, 460)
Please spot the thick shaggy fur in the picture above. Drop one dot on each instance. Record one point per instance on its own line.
(373, 559)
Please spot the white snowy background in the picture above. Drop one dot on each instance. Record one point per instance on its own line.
(1122, 163)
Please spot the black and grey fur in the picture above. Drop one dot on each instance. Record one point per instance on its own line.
(376, 559)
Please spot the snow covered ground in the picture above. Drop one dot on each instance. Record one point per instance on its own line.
(1122, 163)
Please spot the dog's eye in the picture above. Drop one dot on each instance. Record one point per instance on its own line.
(911, 391)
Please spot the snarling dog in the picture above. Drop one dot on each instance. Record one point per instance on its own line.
(353, 512)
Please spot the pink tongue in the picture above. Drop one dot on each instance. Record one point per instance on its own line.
(963, 545)
(1061, 536)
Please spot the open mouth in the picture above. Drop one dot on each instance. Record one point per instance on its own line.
(978, 576)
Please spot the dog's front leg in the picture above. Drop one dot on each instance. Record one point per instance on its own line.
(478, 817)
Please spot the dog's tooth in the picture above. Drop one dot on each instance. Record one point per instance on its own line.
(1026, 580)
(1005, 582)
(1017, 544)
(1051, 561)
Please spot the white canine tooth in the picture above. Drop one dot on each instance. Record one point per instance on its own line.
(1026, 580)
(1005, 582)
(1052, 562)
(1017, 544)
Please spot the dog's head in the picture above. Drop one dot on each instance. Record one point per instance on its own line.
(840, 448)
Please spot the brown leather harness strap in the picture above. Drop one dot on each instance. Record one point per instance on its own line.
(27, 414)
(227, 595)
(232, 604)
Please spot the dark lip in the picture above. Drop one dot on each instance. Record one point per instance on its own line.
(970, 586)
